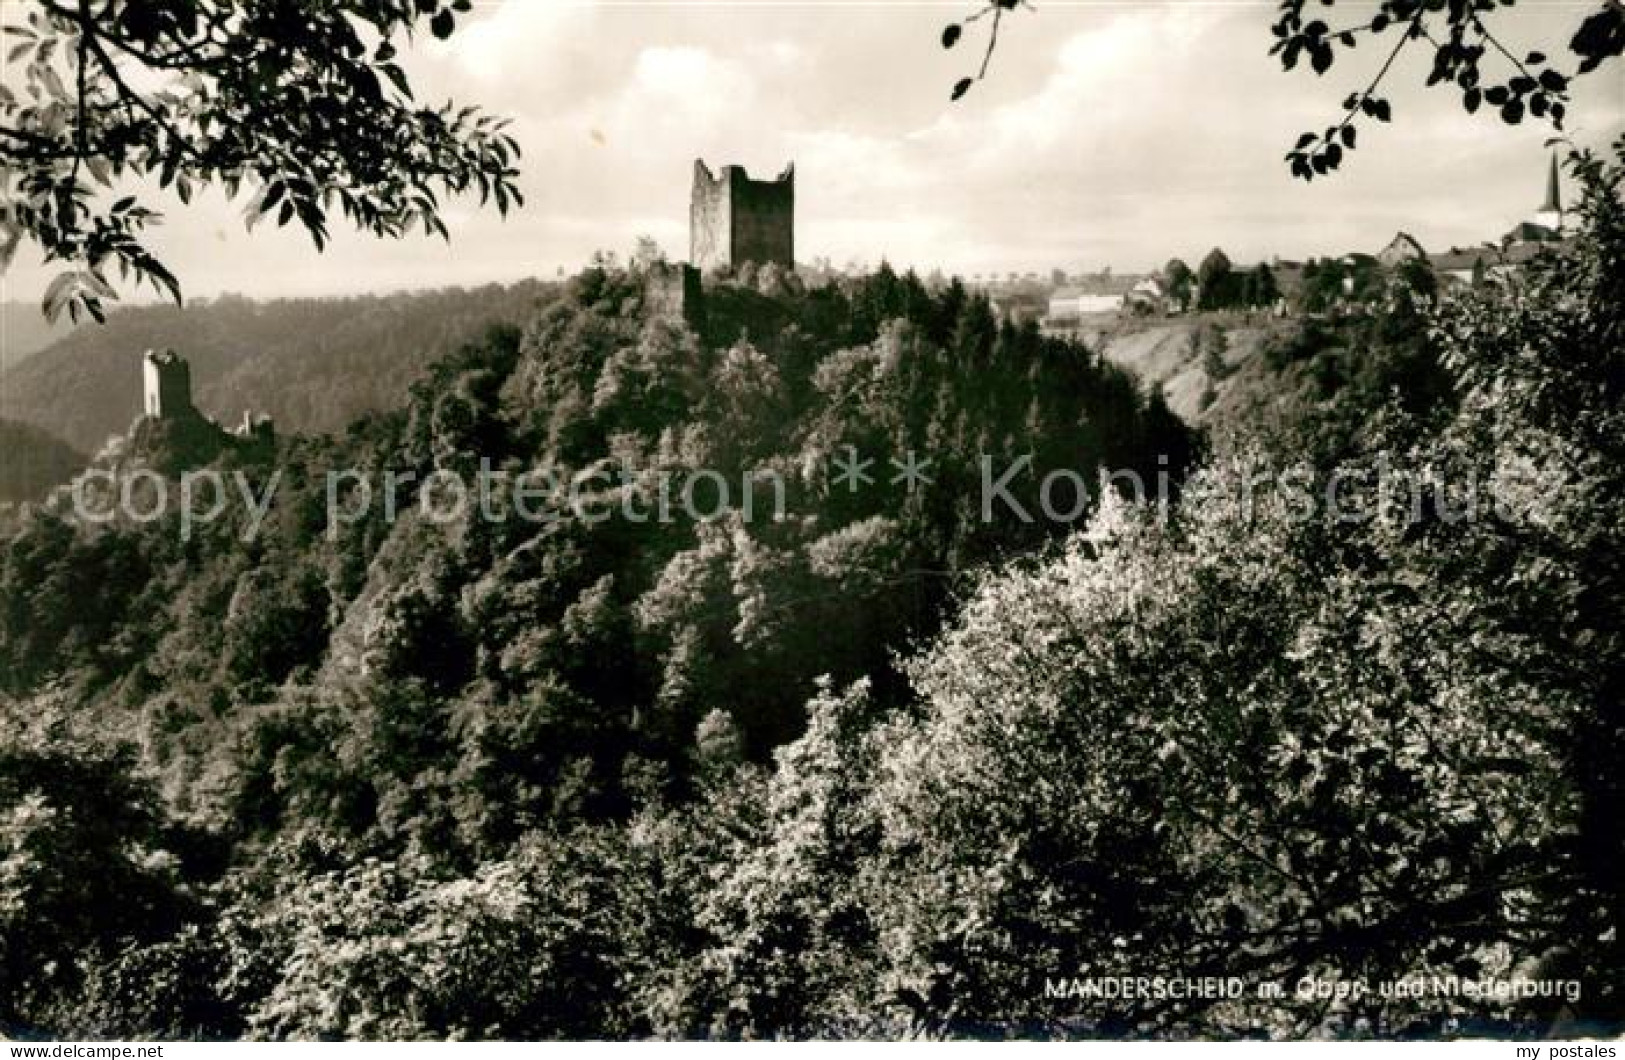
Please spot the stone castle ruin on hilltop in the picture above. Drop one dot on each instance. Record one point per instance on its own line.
(166, 395)
(166, 385)
(733, 219)
(172, 434)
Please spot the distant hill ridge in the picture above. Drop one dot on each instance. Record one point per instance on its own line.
(32, 461)
(314, 365)
(24, 331)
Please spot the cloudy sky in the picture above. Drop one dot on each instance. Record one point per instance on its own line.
(1108, 133)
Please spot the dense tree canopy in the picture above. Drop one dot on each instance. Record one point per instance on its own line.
(887, 760)
(879, 767)
(446, 698)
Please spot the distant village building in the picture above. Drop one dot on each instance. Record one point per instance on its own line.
(1071, 302)
(734, 219)
(1523, 242)
(1550, 215)
(1545, 225)
(1402, 248)
(1468, 264)
(1151, 295)
(1017, 306)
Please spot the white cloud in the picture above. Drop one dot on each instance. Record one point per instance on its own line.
(1119, 134)
(673, 86)
(522, 37)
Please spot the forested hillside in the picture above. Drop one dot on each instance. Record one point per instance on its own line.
(312, 364)
(408, 689)
(887, 760)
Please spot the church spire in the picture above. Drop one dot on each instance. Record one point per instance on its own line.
(1554, 199)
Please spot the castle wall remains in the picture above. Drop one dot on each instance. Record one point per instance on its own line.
(166, 385)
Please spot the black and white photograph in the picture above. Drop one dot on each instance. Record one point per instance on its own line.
(903, 521)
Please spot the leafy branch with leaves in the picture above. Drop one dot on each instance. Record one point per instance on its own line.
(300, 103)
(1458, 31)
(952, 33)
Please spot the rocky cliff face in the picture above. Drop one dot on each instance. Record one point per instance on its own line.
(1175, 356)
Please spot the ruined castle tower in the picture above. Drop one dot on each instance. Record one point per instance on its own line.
(673, 292)
(733, 219)
(166, 385)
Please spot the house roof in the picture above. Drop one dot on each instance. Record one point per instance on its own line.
(1070, 294)
(1530, 232)
(1458, 259)
(1403, 245)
